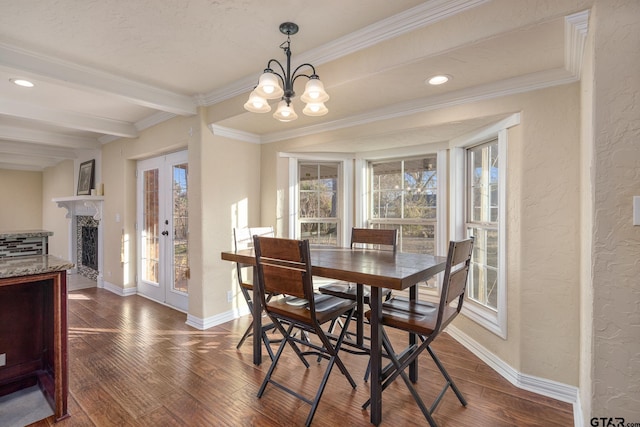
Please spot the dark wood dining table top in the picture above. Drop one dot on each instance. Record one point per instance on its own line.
(386, 269)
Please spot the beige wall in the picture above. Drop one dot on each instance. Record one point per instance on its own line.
(223, 193)
(543, 228)
(57, 181)
(21, 195)
(118, 175)
(616, 179)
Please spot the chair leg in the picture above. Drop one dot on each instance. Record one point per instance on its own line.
(446, 375)
(399, 371)
(246, 335)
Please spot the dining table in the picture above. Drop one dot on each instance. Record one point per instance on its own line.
(377, 269)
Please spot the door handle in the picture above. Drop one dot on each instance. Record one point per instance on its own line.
(165, 233)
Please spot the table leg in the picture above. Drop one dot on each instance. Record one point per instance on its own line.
(257, 320)
(413, 338)
(360, 313)
(376, 356)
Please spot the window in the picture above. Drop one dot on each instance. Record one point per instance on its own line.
(478, 200)
(482, 222)
(404, 197)
(318, 218)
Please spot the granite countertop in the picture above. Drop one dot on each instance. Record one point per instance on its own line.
(31, 264)
(25, 233)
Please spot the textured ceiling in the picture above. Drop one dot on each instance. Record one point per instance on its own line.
(108, 69)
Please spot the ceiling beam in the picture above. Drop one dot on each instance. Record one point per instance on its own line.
(68, 119)
(77, 76)
(33, 136)
(17, 161)
(37, 151)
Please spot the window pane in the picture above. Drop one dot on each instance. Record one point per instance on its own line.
(387, 176)
(419, 239)
(483, 197)
(387, 204)
(318, 197)
(484, 266)
(308, 204)
(327, 204)
(404, 197)
(320, 233)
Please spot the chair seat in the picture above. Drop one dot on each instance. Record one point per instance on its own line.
(413, 316)
(327, 308)
(348, 291)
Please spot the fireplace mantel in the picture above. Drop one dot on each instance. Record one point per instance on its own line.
(81, 205)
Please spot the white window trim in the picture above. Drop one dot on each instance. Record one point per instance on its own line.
(495, 322)
(345, 172)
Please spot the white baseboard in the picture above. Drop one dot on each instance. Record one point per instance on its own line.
(118, 290)
(216, 320)
(545, 387)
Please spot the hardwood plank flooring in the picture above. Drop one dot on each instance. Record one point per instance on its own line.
(133, 362)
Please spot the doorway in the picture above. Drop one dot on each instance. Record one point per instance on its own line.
(163, 229)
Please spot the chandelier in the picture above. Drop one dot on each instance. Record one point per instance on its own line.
(274, 85)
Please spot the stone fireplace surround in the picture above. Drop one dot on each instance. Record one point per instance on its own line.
(84, 211)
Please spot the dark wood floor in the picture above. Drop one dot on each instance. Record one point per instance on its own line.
(135, 363)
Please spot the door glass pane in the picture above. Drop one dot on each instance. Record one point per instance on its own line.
(150, 238)
(180, 228)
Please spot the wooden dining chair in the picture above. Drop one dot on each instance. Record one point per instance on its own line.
(427, 321)
(284, 267)
(373, 238)
(243, 239)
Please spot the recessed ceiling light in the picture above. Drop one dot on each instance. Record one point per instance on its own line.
(22, 82)
(439, 79)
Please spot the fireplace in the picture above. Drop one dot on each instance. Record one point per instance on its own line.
(85, 235)
(87, 246)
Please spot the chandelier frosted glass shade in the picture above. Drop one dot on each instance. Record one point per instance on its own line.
(285, 113)
(314, 91)
(269, 86)
(279, 85)
(257, 104)
(315, 109)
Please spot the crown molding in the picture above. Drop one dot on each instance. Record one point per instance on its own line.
(235, 134)
(576, 27)
(507, 87)
(409, 20)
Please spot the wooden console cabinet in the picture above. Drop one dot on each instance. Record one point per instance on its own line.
(33, 327)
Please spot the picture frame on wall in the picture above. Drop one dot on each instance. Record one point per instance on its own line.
(85, 177)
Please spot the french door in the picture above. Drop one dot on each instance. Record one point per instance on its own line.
(162, 229)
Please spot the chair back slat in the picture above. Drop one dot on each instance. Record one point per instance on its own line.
(283, 280)
(262, 231)
(374, 236)
(242, 238)
(456, 275)
(284, 266)
(457, 284)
